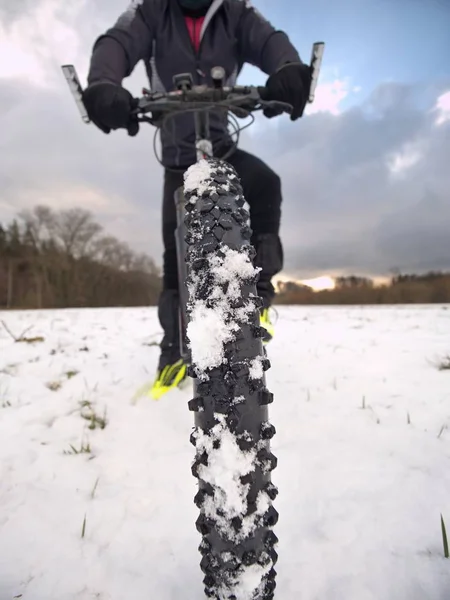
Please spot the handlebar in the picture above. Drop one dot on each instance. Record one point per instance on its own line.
(201, 97)
(239, 99)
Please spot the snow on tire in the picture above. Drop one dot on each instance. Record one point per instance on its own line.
(232, 433)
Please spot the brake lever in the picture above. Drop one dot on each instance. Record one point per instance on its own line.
(144, 119)
(284, 107)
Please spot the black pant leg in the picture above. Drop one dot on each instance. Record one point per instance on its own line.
(172, 181)
(262, 190)
(168, 305)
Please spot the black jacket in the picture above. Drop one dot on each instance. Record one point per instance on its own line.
(155, 31)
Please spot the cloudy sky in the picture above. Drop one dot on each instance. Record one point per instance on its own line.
(366, 174)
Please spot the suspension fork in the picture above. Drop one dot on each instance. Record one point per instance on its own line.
(203, 145)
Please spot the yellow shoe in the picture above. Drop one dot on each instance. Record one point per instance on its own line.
(168, 379)
(267, 325)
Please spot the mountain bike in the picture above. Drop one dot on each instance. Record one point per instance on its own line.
(221, 341)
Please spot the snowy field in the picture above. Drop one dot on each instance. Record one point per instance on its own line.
(96, 493)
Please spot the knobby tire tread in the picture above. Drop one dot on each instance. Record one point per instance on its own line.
(214, 220)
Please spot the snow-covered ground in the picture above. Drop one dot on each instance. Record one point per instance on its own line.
(363, 440)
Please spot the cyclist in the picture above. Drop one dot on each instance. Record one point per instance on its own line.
(181, 36)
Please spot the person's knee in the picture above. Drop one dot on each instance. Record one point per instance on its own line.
(265, 203)
(269, 254)
(273, 182)
(269, 184)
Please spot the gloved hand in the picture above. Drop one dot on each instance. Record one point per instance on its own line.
(291, 84)
(109, 106)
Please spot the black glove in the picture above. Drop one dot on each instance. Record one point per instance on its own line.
(110, 106)
(290, 84)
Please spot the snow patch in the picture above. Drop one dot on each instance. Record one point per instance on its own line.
(383, 356)
(210, 328)
(256, 368)
(208, 332)
(233, 265)
(248, 583)
(227, 464)
(198, 177)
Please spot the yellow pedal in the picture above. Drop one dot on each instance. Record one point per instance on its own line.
(266, 324)
(171, 376)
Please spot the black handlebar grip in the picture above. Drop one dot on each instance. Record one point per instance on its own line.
(263, 92)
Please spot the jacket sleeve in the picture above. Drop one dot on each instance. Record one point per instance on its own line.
(116, 52)
(261, 44)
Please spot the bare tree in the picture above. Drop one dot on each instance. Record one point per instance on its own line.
(39, 223)
(76, 230)
(60, 258)
(143, 262)
(352, 282)
(109, 251)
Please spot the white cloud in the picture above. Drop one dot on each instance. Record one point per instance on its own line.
(443, 108)
(17, 62)
(60, 196)
(342, 171)
(329, 96)
(33, 46)
(324, 282)
(64, 195)
(405, 159)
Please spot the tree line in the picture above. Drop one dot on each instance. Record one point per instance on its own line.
(64, 259)
(61, 259)
(428, 288)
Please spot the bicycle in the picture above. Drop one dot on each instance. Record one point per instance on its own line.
(220, 339)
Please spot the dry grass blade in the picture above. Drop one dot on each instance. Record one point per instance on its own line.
(444, 538)
(22, 338)
(83, 529)
(444, 365)
(95, 488)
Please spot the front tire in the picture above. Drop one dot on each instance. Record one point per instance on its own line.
(232, 432)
